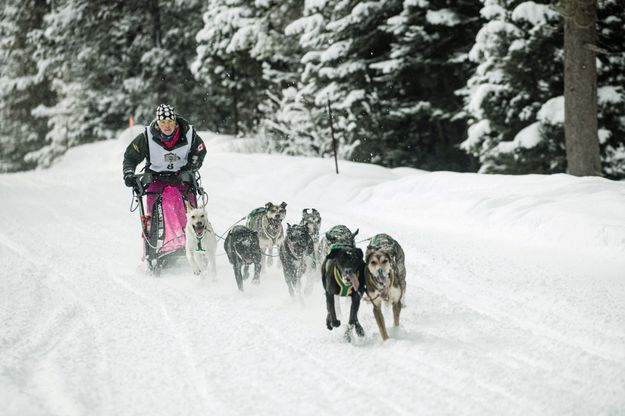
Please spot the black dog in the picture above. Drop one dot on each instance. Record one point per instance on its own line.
(296, 249)
(243, 249)
(343, 274)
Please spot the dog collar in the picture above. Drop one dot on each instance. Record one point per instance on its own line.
(345, 289)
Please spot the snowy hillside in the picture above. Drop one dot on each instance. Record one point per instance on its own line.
(515, 297)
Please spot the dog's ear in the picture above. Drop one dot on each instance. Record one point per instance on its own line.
(359, 253)
(283, 204)
(268, 205)
(314, 211)
(288, 226)
(305, 211)
(355, 233)
(187, 205)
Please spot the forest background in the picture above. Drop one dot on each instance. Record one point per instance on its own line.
(460, 85)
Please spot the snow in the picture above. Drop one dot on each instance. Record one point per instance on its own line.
(492, 10)
(552, 112)
(609, 94)
(515, 296)
(475, 133)
(335, 51)
(442, 17)
(526, 138)
(536, 14)
(478, 95)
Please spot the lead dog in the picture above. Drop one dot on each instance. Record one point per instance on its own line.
(343, 274)
(201, 243)
(385, 278)
(297, 251)
(241, 246)
(267, 222)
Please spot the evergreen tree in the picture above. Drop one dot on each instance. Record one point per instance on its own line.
(417, 84)
(341, 39)
(520, 69)
(611, 87)
(231, 48)
(515, 96)
(23, 86)
(109, 60)
(158, 47)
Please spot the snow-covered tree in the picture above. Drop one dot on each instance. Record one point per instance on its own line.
(417, 83)
(515, 96)
(232, 46)
(23, 86)
(611, 86)
(341, 39)
(158, 46)
(111, 59)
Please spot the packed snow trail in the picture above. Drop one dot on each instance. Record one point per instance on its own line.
(515, 297)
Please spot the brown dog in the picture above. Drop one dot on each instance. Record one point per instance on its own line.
(385, 277)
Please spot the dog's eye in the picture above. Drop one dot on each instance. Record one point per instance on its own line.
(374, 263)
(193, 216)
(384, 261)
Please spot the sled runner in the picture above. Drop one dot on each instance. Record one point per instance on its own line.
(162, 228)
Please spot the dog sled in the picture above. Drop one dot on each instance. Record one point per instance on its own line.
(163, 228)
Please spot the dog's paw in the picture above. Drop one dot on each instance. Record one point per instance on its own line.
(359, 330)
(331, 324)
(197, 271)
(255, 281)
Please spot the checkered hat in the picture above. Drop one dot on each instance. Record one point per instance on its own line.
(165, 112)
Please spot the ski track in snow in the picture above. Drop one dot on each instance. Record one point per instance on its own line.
(492, 325)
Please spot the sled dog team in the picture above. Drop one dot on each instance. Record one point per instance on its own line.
(379, 276)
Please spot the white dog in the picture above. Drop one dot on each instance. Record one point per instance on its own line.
(201, 242)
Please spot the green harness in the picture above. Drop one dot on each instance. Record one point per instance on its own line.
(199, 243)
(345, 289)
(256, 211)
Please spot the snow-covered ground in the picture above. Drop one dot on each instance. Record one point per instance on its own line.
(515, 302)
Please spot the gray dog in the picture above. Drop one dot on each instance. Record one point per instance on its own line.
(267, 222)
(385, 277)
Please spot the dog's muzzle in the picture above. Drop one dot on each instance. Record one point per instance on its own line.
(199, 229)
(383, 281)
(351, 278)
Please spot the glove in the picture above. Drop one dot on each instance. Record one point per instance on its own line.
(130, 180)
(186, 176)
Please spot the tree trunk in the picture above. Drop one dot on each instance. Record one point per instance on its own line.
(156, 18)
(235, 103)
(580, 88)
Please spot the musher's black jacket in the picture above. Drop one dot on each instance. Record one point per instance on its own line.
(138, 149)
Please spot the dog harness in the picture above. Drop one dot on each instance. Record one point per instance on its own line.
(380, 239)
(345, 289)
(264, 224)
(199, 242)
